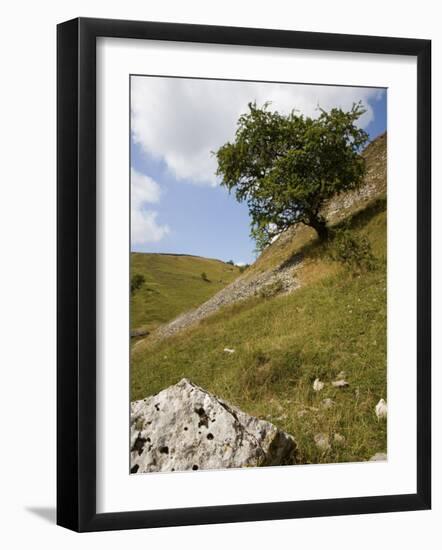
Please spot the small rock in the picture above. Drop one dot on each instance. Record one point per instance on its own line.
(228, 350)
(322, 442)
(302, 413)
(340, 384)
(327, 403)
(381, 409)
(339, 439)
(378, 457)
(318, 385)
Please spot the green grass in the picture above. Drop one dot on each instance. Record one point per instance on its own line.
(335, 322)
(173, 285)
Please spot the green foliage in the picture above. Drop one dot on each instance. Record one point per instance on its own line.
(286, 167)
(204, 277)
(352, 250)
(136, 282)
(271, 289)
(242, 268)
(230, 262)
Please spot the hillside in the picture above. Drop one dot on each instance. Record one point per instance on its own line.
(291, 261)
(173, 284)
(329, 323)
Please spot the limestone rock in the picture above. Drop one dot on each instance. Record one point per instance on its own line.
(318, 385)
(381, 409)
(186, 428)
(340, 384)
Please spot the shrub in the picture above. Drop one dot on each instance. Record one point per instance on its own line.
(352, 250)
(271, 289)
(136, 282)
(204, 277)
(230, 262)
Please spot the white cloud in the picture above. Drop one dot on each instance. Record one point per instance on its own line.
(180, 121)
(144, 226)
(143, 189)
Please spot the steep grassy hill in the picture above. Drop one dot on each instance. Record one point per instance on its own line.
(173, 284)
(333, 326)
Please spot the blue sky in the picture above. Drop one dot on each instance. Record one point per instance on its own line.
(177, 204)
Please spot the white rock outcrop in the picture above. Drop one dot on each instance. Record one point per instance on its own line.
(186, 428)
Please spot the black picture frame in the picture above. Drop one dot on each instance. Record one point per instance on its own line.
(76, 273)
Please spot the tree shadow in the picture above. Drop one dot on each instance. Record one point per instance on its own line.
(354, 220)
(47, 513)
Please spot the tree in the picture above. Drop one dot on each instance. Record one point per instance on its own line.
(286, 167)
(136, 282)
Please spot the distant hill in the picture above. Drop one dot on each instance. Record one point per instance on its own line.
(173, 284)
(293, 316)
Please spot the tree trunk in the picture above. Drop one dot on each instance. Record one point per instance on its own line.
(320, 227)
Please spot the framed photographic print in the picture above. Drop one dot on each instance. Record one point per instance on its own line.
(243, 274)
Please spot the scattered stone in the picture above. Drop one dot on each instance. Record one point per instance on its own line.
(318, 385)
(378, 457)
(339, 439)
(186, 428)
(322, 441)
(228, 350)
(381, 409)
(340, 384)
(327, 403)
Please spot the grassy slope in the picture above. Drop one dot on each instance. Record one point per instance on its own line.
(335, 323)
(174, 285)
